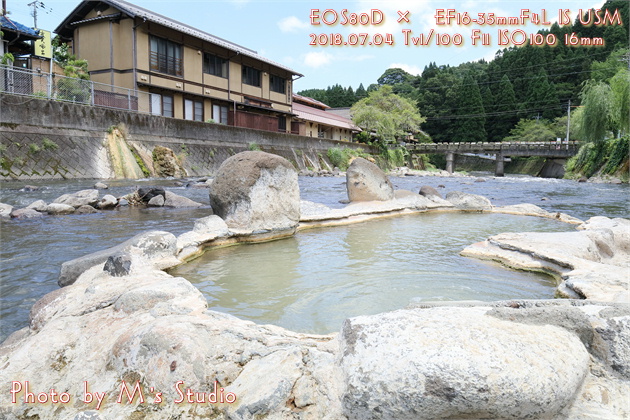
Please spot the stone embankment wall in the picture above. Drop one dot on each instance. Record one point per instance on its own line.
(41, 139)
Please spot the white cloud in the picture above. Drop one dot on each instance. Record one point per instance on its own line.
(317, 59)
(292, 24)
(413, 70)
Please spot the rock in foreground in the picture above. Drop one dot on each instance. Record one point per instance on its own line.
(256, 191)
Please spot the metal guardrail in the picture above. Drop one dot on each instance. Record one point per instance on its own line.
(19, 81)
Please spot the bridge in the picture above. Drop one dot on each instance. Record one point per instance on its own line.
(500, 150)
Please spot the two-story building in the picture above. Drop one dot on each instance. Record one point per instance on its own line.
(185, 73)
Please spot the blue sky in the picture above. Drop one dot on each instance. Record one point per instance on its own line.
(281, 31)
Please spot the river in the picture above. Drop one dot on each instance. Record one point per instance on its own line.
(32, 251)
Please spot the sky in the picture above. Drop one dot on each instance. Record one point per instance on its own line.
(283, 31)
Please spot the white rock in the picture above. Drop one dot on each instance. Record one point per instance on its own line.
(457, 363)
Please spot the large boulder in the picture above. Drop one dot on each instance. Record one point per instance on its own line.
(467, 201)
(256, 191)
(367, 182)
(78, 199)
(457, 363)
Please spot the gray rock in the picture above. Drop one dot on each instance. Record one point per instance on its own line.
(146, 194)
(457, 363)
(78, 199)
(367, 182)
(100, 186)
(59, 208)
(157, 201)
(256, 191)
(26, 214)
(156, 247)
(429, 192)
(177, 201)
(107, 202)
(86, 210)
(39, 205)
(466, 201)
(118, 265)
(123, 202)
(5, 210)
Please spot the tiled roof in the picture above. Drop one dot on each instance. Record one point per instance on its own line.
(12, 26)
(320, 116)
(309, 101)
(136, 11)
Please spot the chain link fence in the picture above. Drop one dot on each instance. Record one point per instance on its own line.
(27, 82)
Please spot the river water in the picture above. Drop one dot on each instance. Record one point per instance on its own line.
(32, 251)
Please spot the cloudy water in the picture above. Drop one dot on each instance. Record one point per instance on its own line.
(32, 251)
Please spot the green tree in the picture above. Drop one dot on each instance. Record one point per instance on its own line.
(504, 109)
(531, 130)
(470, 126)
(360, 93)
(620, 87)
(390, 116)
(598, 113)
(394, 76)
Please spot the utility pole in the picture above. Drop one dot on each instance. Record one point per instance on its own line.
(35, 5)
(4, 8)
(568, 120)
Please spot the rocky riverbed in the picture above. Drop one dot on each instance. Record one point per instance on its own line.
(124, 339)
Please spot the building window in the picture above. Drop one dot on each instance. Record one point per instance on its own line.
(220, 114)
(193, 110)
(251, 76)
(215, 65)
(277, 84)
(282, 124)
(166, 56)
(162, 105)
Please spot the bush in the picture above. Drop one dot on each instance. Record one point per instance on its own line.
(341, 157)
(48, 144)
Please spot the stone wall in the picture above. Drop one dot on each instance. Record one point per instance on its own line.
(41, 139)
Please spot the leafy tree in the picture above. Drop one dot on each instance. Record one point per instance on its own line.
(394, 76)
(597, 102)
(390, 116)
(620, 86)
(531, 130)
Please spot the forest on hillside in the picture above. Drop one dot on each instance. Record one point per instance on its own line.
(524, 91)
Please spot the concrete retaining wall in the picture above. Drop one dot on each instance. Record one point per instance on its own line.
(41, 139)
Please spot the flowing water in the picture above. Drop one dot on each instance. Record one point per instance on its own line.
(415, 257)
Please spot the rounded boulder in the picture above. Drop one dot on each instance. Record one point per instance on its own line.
(256, 191)
(367, 182)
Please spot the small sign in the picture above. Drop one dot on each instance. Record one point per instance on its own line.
(43, 47)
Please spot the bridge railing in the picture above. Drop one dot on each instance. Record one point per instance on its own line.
(493, 146)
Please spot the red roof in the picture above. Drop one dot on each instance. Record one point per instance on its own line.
(320, 116)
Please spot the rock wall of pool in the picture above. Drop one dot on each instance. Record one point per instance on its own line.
(123, 338)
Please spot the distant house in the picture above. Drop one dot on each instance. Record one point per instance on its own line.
(187, 73)
(315, 119)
